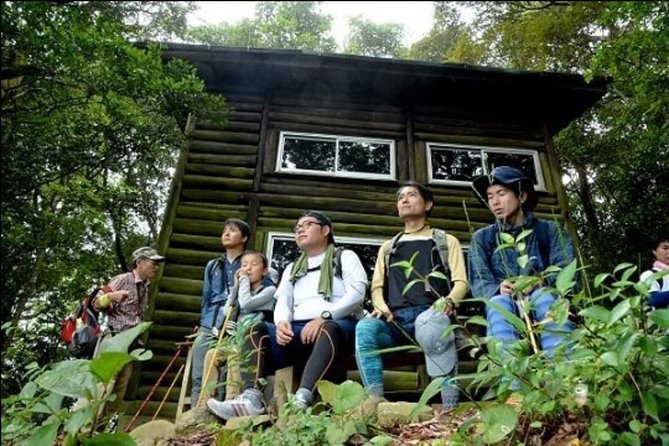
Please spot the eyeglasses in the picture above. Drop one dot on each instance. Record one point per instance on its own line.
(306, 225)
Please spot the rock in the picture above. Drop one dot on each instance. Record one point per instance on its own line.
(391, 414)
(153, 432)
(193, 417)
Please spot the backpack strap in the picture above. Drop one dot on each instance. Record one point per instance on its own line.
(337, 270)
(439, 237)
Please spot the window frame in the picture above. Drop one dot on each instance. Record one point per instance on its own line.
(540, 185)
(337, 139)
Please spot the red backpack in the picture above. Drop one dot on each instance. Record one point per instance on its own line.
(80, 330)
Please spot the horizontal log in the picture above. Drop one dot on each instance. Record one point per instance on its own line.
(197, 227)
(217, 182)
(328, 191)
(176, 318)
(210, 211)
(215, 196)
(306, 118)
(179, 302)
(160, 392)
(231, 116)
(227, 160)
(336, 130)
(226, 136)
(219, 171)
(221, 148)
(326, 203)
(343, 184)
(183, 271)
(348, 114)
(231, 125)
(168, 332)
(162, 347)
(195, 242)
(176, 285)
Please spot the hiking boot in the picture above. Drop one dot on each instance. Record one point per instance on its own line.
(248, 403)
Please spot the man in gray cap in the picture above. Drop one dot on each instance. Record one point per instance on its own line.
(126, 305)
(510, 196)
(405, 306)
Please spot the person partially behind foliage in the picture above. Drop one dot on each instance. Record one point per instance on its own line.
(401, 315)
(126, 306)
(219, 278)
(510, 196)
(659, 288)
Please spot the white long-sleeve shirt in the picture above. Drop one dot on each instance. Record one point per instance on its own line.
(301, 301)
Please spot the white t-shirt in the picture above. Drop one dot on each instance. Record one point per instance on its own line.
(301, 301)
(656, 285)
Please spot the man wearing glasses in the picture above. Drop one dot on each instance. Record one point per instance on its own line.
(315, 318)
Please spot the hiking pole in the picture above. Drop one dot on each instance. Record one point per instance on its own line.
(153, 390)
(181, 369)
(214, 358)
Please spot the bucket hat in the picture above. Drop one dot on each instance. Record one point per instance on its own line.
(509, 177)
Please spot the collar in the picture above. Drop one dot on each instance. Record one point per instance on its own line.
(529, 222)
(137, 278)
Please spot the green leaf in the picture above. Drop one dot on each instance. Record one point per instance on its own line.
(523, 234)
(506, 238)
(611, 358)
(497, 422)
(408, 286)
(602, 402)
(43, 436)
(565, 280)
(630, 439)
(29, 390)
(347, 395)
(600, 279)
(69, 378)
(79, 419)
(628, 272)
(477, 320)
(523, 260)
(381, 440)
(618, 312)
(636, 426)
(649, 404)
(621, 266)
(122, 341)
(660, 317)
(625, 344)
(108, 364)
(108, 439)
(437, 275)
(511, 318)
(327, 391)
(536, 424)
(337, 435)
(431, 390)
(49, 405)
(520, 247)
(596, 312)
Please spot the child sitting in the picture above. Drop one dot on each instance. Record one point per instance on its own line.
(659, 289)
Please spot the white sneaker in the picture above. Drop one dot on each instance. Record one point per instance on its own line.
(248, 403)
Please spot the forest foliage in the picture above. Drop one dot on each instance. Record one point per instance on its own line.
(92, 123)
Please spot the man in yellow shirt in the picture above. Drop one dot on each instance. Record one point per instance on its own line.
(423, 311)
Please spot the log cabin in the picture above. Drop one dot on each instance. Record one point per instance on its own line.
(339, 133)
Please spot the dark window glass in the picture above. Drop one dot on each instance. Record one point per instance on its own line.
(309, 154)
(360, 156)
(521, 161)
(456, 165)
(284, 251)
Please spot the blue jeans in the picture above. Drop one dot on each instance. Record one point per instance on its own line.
(374, 334)
(498, 327)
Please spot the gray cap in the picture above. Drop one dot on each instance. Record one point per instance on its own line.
(146, 253)
(440, 351)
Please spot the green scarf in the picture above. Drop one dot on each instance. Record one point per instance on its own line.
(325, 282)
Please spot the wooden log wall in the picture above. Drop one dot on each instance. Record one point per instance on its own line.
(228, 171)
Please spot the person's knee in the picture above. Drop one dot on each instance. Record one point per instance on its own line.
(542, 302)
(499, 301)
(366, 333)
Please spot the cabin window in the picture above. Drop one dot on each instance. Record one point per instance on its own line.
(282, 250)
(460, 164)
(339, 156)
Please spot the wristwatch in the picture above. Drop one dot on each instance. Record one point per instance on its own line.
(326, 315)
